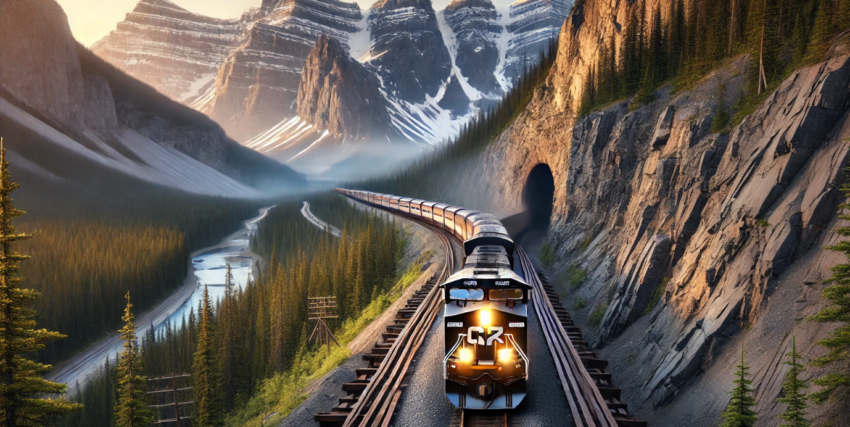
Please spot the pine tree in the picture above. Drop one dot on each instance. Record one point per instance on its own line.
(794, 391)
(22, 386)
(822, 31)
(838, 343)
(207, 385)
(739, 412)
(132, 409)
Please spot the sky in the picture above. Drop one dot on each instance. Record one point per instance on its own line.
(92, 19)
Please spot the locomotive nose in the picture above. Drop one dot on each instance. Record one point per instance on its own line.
(485, 390)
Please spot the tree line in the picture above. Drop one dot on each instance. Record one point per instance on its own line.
(232, 345)
(680, 41)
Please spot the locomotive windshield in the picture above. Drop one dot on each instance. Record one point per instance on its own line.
(505, 294)
(466, 294)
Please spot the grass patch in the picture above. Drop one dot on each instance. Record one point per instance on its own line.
(277, 396)
(586, 242)
(761, 222)
(575, 275)
(597, 314)
(579, 303)
(547, 255)
(656, 296)
(631, 357)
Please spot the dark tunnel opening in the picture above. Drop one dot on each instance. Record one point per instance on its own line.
(538, 196)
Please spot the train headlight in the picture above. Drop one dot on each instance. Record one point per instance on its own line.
(484, 317)
(506, 355)
(465, 355)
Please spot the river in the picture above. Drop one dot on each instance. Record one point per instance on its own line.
(208, 268)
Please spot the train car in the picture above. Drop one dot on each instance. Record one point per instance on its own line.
(385, 200)
(449, 219)
(427, 208)
(404, 205)
(416, 208)
(439, 210)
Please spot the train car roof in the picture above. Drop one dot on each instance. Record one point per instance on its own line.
(453, 209)
(417, 201)
(429, 204)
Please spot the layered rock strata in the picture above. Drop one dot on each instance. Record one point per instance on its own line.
(476, 29)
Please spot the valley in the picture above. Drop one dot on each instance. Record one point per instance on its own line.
(637, 213)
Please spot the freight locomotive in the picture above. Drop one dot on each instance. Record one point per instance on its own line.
(486, 304)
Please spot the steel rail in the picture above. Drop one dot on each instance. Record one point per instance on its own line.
(377, 403)
(587, 405)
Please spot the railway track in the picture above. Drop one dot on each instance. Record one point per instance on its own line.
(593, 399)
(374, 396)
(465, 418)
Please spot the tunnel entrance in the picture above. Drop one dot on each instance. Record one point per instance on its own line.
(539, 195)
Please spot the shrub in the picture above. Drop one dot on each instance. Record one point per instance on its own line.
(597, 314)
(575, 275)
(579, 303)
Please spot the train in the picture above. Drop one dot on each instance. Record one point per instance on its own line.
(486, 302)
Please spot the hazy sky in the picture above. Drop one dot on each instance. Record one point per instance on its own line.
(93, 19)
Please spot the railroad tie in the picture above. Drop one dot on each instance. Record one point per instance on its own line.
(594, 366)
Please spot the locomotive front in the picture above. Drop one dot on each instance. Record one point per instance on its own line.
(486, 314)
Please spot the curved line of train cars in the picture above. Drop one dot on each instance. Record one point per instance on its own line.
(486, 304)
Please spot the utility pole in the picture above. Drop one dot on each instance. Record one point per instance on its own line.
(169, 397)
(321, 309)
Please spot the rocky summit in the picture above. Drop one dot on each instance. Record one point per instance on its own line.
(339, 94)
(174, 50)
(476, 28)
(408, 49)
(533, 25)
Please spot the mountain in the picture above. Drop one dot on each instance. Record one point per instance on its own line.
(435, 69)
(174, 50)
(476, 28)
(533, 24)
(70, 103)
(258, 82)
(407, 48)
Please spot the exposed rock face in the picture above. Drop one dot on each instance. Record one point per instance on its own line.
(693, 242)
(476, 28)
(68, 95)
(170, 48)
(455, 99)
(534, 24)
(58, 89)
(339, 94)
(257, 85)
(408, 49)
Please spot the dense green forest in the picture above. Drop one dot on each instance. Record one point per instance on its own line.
(259, 335)
(680, 44)
(100, 233)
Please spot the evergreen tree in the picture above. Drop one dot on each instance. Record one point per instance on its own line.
(838, 343)
(132, 409)
(205, 372)
(794, 391)
(822, 31)
(22, 388)
(739, 412)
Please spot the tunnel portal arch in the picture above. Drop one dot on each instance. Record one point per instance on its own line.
(538, 195)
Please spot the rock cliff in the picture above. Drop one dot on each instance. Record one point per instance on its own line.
(533, 25)
(174, 50)
(476, 27)
(78, 102)
(257, 85)
(407, 48)
(691, 241)
(339, 94)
